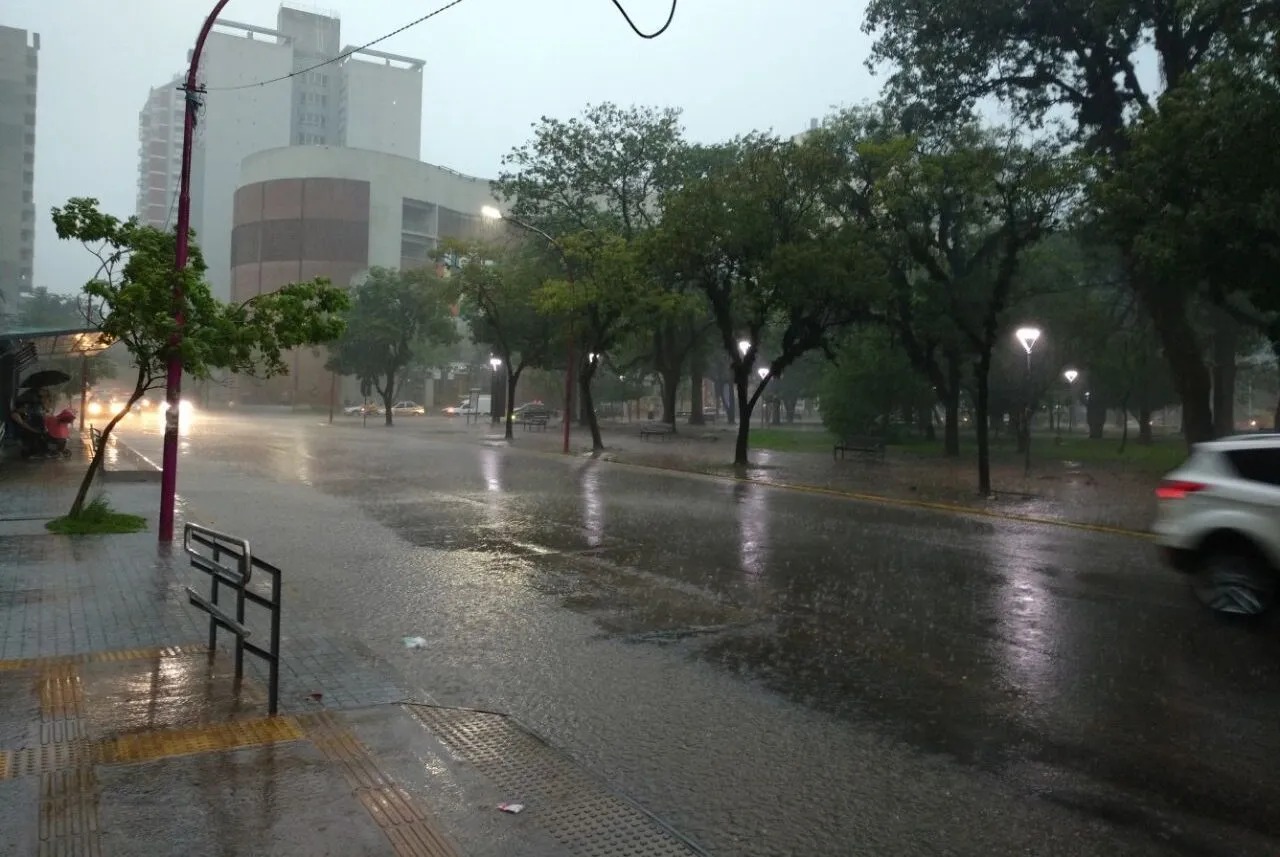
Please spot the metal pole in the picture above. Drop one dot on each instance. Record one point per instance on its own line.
(173, 379)
(568, 390)
(84, 388)
(333, 391)
(1027, 417)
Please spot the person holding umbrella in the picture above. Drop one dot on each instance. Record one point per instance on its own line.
(28, 414)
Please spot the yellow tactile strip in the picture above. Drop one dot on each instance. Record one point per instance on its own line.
(148, 746)
(391, 807)
(112, 656)
(61, 704)
(69, 822)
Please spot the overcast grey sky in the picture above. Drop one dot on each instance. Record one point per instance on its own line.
(493, 67)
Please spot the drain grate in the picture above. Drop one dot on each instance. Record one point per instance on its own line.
(579, 811)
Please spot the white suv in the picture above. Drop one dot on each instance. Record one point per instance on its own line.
(1218, 517)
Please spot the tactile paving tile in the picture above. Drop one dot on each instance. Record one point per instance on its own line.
(580, 812)
(112, 656)
(411, 833)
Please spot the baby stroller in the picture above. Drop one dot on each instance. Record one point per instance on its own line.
(57, 430)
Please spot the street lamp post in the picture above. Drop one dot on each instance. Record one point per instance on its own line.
(495, 363)
(762, 373)
(1071, 375)
(173, 376)
(491, 212)
(1028, 337)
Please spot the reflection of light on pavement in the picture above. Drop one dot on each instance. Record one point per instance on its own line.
(753, 529)
(592, 506)
(1026, 612)
(491, 472)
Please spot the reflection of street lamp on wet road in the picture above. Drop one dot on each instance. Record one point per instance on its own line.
(490, 212)
(1028, 336)
(1071, 375)
(496, 399)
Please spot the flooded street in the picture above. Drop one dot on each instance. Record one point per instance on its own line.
(772, 671)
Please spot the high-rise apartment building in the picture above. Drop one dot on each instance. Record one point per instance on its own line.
(18, 72)
(369, 100)
(160, 154)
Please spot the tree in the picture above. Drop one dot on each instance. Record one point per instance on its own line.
(393, 315)
(496, 288)
(130, 300)
(754, 236)
(869, 380)
(1083, 56)
(965, 209)
(593, 185)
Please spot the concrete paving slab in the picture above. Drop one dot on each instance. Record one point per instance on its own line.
(19, 807)
(274, 800)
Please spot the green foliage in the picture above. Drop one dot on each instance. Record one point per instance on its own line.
(870, 381)
(97, 518)
(497, 289)
(393, 317)
(1197, 194)
(131, 300)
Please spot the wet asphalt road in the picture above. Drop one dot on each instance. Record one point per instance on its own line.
(771, 671)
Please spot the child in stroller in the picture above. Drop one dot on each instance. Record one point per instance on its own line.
(57, 429)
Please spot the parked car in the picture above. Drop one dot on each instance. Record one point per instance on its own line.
(483, 403)
(369, 409)
(536, 410)
(408, 409)
(1218, 519)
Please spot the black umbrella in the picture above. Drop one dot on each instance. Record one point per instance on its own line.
(46, 378)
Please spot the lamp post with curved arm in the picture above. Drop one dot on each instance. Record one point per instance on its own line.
(492, 213)
(173, 375)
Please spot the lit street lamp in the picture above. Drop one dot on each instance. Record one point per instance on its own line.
(496, 399)
(1071, 375)
(762, 372)
(1028, 336)
(490, 212)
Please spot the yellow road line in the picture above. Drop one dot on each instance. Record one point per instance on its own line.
(111, 656)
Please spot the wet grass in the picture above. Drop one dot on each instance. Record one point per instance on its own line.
(97, 518)
(1158, 457)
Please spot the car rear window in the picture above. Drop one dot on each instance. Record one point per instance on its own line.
(1257, 465)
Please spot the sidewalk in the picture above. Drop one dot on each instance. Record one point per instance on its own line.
(122, 734)
(1093, 496)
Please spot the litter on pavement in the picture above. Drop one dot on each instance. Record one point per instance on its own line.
(512, 808)
(415, 642)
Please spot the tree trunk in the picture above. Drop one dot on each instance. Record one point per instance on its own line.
(387, 394)
(697, 370)
(512, 379)
(588, 405)
(1124, 423)
(744, 419)
(1226, 336)
(95, 464)
(981, 416)
(670, 386)
(1096, 416)
(1181, 349)
(924, 417)
(790, 403)
(951, 404)
(726, 392)
(1144, 424)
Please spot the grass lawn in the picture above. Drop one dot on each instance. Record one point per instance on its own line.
(97, 518)
(1160, 457)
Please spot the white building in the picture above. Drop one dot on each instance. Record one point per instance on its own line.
(262, 92)
(328, 211)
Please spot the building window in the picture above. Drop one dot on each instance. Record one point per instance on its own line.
(30, 119)
(26, 196)
(29, 158)
(26, 236)
(31, 139)
(31, 100)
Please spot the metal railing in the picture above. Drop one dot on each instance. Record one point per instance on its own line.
(230, 564)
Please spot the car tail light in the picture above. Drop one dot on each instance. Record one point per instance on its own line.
(1178, 489)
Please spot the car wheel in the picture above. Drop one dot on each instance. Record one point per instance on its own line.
(1235, 583)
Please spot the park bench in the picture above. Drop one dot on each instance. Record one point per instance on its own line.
(662, 430)
(538, 421)
(865, 445)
